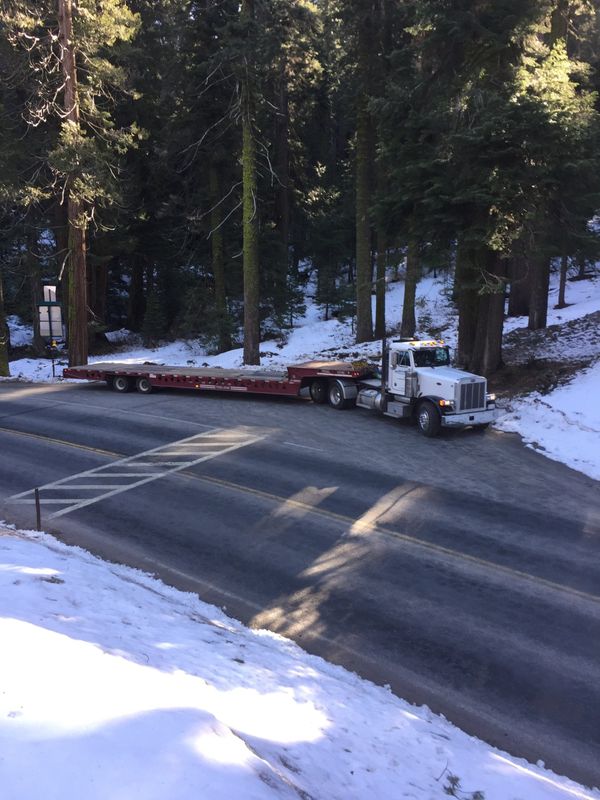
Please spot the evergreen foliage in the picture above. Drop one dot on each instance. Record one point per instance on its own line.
(223, 153)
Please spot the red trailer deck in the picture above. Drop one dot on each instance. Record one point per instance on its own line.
(146, 377)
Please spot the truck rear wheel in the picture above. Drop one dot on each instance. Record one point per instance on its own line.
(318, 391)
(143, 385)
(121, 383)
(337, 399)
(428, 419)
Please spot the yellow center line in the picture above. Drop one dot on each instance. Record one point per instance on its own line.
(62, 442)
(364, 527)
(368, 527)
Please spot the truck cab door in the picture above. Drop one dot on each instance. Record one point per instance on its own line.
(399, 366)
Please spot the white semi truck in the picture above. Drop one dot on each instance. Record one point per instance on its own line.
(416, 382)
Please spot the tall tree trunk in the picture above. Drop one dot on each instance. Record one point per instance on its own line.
(383, 39)
(77, 324)
(562, 287)
(77, 314)
(35, 291)
(380, 284)
(364, 162)
(520, 290)
(475, 363)
(61, 239)
(540, 285)
(413, 273)
(486, 356)
(250, 207)
(4, 367)
(282, 200)
(218, 258)
(465, 290)
(492, 352)
(97, 287)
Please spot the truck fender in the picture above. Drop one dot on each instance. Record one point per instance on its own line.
(348, 387)
(435, 399)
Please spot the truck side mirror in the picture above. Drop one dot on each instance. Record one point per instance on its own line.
(393, 360)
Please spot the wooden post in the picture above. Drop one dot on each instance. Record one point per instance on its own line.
(38, 510)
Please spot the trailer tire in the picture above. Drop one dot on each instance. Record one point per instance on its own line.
(121, 383)
(318, 391)
(428, 419)
(336, 396)
(143, 386)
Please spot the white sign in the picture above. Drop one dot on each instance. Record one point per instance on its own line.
(51, 325)
(49, 294)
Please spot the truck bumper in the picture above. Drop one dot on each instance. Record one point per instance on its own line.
(469, 418)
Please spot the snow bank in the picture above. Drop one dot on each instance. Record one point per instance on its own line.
(564, 424)
(117, 686)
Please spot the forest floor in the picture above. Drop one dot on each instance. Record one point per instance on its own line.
(539, 361)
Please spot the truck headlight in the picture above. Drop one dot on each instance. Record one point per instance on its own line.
(491, 397)
(446, 403)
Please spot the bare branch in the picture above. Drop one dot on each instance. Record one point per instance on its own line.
(223, 221)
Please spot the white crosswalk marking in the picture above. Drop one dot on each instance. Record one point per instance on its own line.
(208, 445)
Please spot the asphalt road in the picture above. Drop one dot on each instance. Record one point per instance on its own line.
(462, 571)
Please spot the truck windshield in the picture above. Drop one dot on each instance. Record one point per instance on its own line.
(432, 357)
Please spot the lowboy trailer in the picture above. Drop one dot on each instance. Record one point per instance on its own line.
(417, 383)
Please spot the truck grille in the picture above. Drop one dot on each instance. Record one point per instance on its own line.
(472, 395)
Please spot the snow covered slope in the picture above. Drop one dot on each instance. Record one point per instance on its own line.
(115, 686)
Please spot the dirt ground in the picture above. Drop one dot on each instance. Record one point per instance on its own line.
(542, 360)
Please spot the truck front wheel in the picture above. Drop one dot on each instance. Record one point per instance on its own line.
(318, 391)
(121, 383)
(428, 419)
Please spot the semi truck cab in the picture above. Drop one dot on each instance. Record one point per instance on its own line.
(419, 382)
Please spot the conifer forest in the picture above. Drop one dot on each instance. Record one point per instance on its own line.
(187, 168)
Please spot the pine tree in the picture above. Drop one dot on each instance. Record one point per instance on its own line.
(54, 41)
(249, 193)
(413, 271)
(364, 160)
